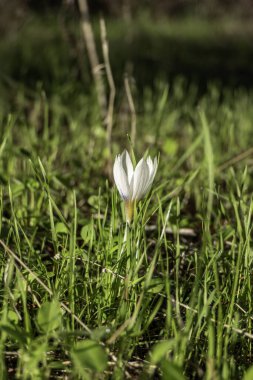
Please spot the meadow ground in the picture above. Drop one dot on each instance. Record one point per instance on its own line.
(174, 300)
(171, 296)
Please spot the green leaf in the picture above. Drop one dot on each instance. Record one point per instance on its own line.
(25, 152)
(156, 285)
(170, 146)
(15, 332)
(88, 354)
(33, 357)
(13, 317)
(97, 202)
(61, 228)
(100, 332)
(49, 316)
(86, 233)
(93, 201)
(171, 371)
(17, 188)
(249, 374)
(159, 350)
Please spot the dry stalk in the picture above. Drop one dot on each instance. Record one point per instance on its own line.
(234, 160)
(168, 230)
(132, 109)
(110, 110)
(92, 55)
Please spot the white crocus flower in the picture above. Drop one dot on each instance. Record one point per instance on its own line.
(132, 183)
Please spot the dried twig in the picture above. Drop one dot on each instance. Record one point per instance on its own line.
(225, 325)
(234, 160)
(92, 55)
(168, 230)
(132, 109)
(109, 116)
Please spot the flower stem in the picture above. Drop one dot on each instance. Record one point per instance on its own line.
(124, 240)
(129, 208)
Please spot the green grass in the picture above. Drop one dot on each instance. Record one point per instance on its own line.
(171, 296)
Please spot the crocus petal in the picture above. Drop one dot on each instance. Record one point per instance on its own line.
(139, 180)
(120, 178)
(152, 172)
(132, 183)
(150, 166)
(127, 165)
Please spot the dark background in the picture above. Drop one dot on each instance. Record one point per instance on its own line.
(201, 41)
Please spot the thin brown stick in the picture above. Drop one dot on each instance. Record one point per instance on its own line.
(44, 286)
(110, 110)
(132, 109)
(92, 55)
(225, 325)
(128, 322)
(168, 230)
(234, 160)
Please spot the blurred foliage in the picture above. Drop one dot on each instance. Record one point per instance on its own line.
(158, 8)
(48, 53)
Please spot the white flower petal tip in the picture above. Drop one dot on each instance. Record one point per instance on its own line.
(133, 184)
